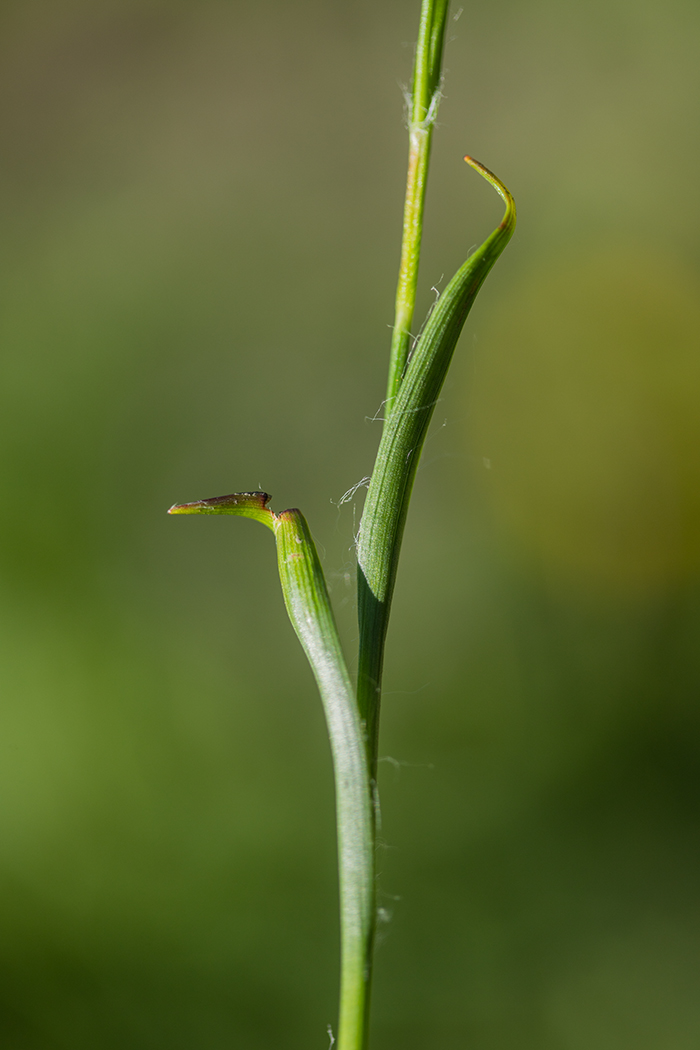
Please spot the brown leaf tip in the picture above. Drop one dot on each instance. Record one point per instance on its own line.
(251, 500)
(239, 499)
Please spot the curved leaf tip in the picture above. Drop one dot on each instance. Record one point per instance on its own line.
(508, 221)
(247, 504)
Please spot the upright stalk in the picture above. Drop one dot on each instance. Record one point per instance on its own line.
(422, 111)
(416, 374)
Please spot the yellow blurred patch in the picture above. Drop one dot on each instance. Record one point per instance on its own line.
(586, 409)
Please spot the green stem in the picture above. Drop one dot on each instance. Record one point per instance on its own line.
(386, 506)
(424, 101)
(414, 387)
(309, 609)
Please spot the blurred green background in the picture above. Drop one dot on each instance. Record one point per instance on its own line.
(200, 207)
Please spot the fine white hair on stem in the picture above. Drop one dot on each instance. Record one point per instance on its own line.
(430, 117)
(407, 105)
(420, 408)
(376, 418)
(419, 127)
(347, 496)
(415, 338)
(435, 101)
(397, 766)
(374, 788)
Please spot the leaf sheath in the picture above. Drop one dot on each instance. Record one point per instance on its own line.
(309, 608)
(386, 505)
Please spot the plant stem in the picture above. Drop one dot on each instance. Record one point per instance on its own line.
(309, 608)
(423, 106)
(422, 111)
(414, 387)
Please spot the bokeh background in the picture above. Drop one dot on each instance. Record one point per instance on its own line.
(200, 207)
